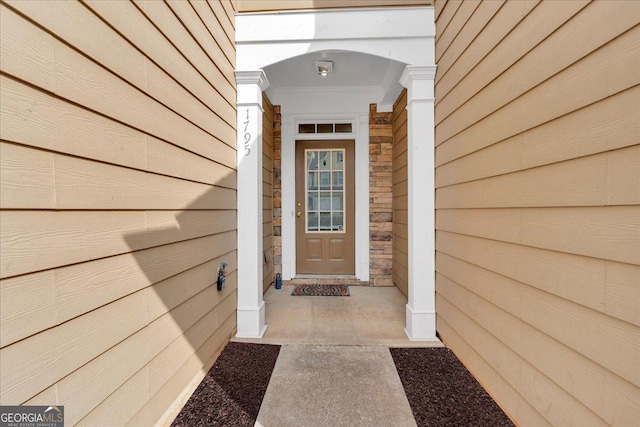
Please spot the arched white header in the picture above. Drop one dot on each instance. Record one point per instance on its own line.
(401, 34)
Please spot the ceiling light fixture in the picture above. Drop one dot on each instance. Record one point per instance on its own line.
(324, 68)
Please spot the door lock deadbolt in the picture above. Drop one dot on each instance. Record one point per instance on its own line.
(221, 276)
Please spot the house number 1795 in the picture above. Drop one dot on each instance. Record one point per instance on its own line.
(247, 136)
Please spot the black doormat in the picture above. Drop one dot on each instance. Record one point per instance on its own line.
(441, 392)
(321, 290)
(231, 393)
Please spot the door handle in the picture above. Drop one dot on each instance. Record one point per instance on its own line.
(299, 214)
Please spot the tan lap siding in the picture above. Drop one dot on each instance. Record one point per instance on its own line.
(118, 193)
(400, 189)
(267, 183)
(538, 204)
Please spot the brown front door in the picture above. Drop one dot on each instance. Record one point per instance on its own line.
(325, 207)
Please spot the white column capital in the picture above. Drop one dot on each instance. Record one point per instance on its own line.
(257, 77)
(412, 73)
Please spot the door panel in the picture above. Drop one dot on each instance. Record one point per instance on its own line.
(325, 207)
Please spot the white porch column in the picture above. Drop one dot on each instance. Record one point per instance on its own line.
(421, 313)
(251, 310)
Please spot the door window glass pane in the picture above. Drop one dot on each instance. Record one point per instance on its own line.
(312, 201)
(325, 160)
(338, 178)
(325, 221)
(312, 181)
(312, 222)
(338, 221)
(337, 201)
(307, 128)
(343, 128)
(312, 160)
(325, 201)
(325, 181)
(337, 160)
(325, 190)
(325, 127)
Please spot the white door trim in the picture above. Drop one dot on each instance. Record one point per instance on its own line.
(360, 126)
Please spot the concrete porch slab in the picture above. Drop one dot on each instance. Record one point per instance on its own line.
(371, 316)
(335, 386)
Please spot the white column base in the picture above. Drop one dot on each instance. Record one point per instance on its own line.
(251, 322)
(421, 325)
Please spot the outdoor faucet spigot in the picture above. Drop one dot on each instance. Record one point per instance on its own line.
(221, 276)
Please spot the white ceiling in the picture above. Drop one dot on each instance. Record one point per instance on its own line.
(350, 69)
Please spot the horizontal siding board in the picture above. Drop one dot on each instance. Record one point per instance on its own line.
(476, 23)
(33, 364)
(172, 28)
(556, 53)
(551, 401)
(459, 20)
(576, 278)
(128, 399)
(191, 336)
(25, 53)
(141, 33)
(622, 298)
(174, 291)
(39, 240)
(541, 33)
(84, 287)
(605, 125)
(137, 352)
(89, 185)
(611, 233)
(27, 306)
(488, 375)
(582, 377)
(168, 159)
(509, 15)
(623, 178)
(185, 13)
(213, 27)
(26, 178)
(38, 119)
(567, 91)
(104, 45)
(160, 402)
(444, 19)
(580, 182)
(218, 10)
(80, 80)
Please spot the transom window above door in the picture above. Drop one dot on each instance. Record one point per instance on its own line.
(325, 128)
(324, 186)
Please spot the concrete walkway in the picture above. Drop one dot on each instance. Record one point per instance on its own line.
(314, 385)
(334, 367)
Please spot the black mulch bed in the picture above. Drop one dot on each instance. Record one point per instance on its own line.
(442, 392)
(232, 391)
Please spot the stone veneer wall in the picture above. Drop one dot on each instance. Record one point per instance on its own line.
(381, 201)
(277, 192)
(380, 197)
